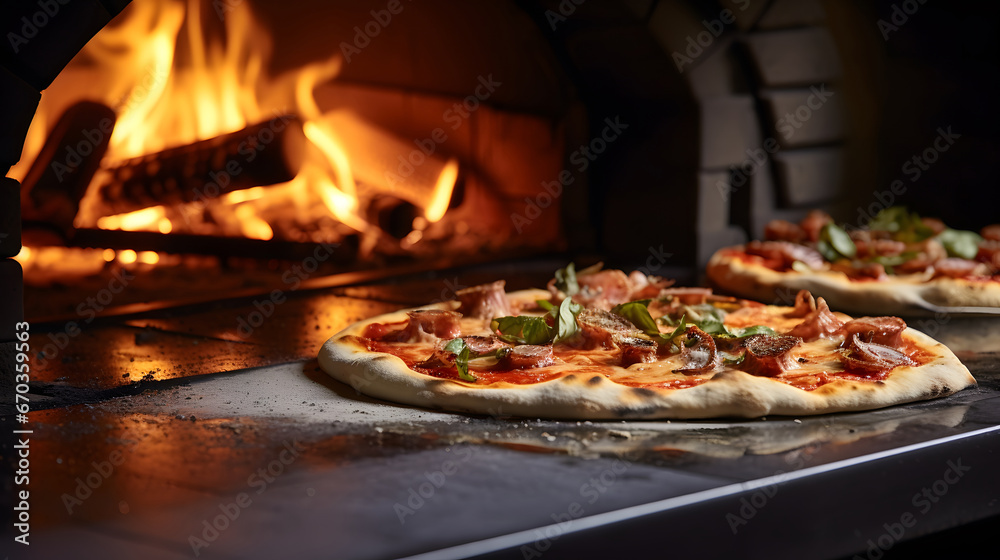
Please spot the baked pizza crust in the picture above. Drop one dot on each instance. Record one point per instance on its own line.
(730, 393)
(911, 295)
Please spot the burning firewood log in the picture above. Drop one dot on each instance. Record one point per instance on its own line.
(262, 154)
(65, 166)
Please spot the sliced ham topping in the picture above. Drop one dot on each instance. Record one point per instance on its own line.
(428, 326)
(487, 301)
(991, 232)
(887, 331)
(818, 323)
(935, 225)
(644, 286)
(872, 358)
(783, 230)
(989, 253)
(688, 296)
(860, 236)
(886, 247)
(602, 329)
(929, 251)
(873, 270)
(439, 359)
(635, 350)
(479, 345)
(701, 356)
(604, 289)
(805, 304)
(813, 223)
(954, 267)
(769, 355)
(484, 344)
(527, 356)
(786, 253)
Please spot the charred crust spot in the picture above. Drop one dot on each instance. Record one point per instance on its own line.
(379, 357)
(803, 361)
(643, 392)
(642, 412)
(938, 391)
(570, 377)
(595, 380)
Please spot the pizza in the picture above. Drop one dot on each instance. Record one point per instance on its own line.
(602, 344)
(899, 264)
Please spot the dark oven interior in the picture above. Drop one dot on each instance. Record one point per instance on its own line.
(199, 187)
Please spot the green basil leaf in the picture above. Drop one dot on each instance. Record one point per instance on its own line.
(462, 365)
(889, 261)
(682, 326)
(523, 329)
(706, 317)
(756, 329)
(545, 304)
(566, 280)
(891, 219)
(916, 233)
(713, 327)
(904, 225)
(455, 345)
(826, 249)
(960, 243)
(839, 240)
(565, 316)
(637, 313)
(732, 359)
(462, 353)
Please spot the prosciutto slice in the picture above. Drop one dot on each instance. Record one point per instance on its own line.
(769, 355)
(783, 230)
(929, 251)
(887, 331)
(871, 358)
(953, 267)
(602, 329)
(688, 296)
(813, 223)
(805, 304)
(817, 323)
(428, 326)
(700, 357)
(991, 232)
(479, 345)
(644, 286)
(786, 253)
(635, 350)
(484, 302)
(527, 356)
(484, 344)
(604, 289)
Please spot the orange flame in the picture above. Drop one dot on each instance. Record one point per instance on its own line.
(167, 96)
